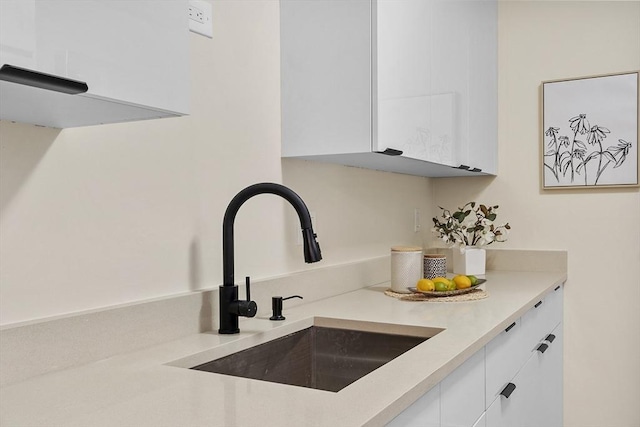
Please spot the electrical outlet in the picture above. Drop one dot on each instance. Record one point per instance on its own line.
(196, 14)
(416, 220)
(199, 13)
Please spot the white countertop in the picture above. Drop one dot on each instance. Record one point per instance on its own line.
(141, 389)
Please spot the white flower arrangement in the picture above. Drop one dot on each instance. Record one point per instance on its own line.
(471, 225)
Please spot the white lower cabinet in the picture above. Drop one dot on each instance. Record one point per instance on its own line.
(551, 407)
(505, 355)
(543, 382)
(482, 421)
(424, 412)
(510, 408)
(533, 397)
(536, 400)
(462, 393)
(514, 381)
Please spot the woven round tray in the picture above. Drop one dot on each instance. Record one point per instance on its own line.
(474, 295)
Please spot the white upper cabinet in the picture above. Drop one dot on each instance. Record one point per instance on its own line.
(106, 61)
(406, 86)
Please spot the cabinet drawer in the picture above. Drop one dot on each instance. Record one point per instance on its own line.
(510, 409)
(534, 398)
(555, 301)
(505, 355)
(542, 318)
(545, 398)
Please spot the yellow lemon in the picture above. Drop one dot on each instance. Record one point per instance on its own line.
(425, 285)
(440, 279)
(442, 286)
(462, 282)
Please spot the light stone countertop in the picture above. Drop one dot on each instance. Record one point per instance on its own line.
(139, 388)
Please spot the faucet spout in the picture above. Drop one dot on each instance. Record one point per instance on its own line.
(312, 253)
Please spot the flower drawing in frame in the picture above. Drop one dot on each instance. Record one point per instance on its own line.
(590, 132)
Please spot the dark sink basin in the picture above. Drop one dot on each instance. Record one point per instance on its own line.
(323, 358)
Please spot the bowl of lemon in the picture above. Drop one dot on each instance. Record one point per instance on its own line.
(443, 287)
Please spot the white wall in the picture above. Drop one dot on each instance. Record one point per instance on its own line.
(97, 216)
(601, 229)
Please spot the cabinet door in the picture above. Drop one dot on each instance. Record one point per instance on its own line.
(325, 54)
(462, 393)
(545, 405)
(482, 421)
(411, 116)
(481, 147)
(424, 412)
(510, 407)
(18, 33)
(536, 399)
(505, 355)
(508, 411)
(542, 318)
(128, 54)
(555, 301)
(132, 55)
(436, 81)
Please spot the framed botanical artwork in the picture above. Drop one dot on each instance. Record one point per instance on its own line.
(590, 132)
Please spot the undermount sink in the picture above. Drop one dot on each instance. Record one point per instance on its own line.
(321, 357)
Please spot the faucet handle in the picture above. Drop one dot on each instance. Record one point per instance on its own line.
(247, 308)
(244, 308)
(247, 282)
(276, 305)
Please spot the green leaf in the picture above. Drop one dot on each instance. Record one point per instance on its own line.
(492, 217)
(459, 216)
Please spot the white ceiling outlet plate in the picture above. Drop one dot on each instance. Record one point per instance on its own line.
(200, 21)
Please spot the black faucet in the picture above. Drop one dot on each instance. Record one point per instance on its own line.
(230, 307)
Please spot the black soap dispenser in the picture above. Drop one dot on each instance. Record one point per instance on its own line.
(276, 306)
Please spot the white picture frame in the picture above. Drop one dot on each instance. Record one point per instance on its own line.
(590, 132)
